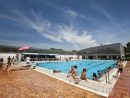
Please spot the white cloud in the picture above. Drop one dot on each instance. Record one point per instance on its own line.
(71, 13)
(71, 35)
(108, 43)
(56, 33)
(62, 33)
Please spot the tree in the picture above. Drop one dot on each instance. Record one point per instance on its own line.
(125, 48)
(128, 47)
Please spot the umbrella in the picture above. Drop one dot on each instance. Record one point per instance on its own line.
(24, 48)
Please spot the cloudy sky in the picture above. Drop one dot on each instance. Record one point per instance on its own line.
(66, 24)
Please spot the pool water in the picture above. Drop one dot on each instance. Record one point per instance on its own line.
(91, 66)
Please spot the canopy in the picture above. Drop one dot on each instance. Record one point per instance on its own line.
(24, 48)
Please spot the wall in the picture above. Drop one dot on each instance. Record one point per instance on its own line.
(6, 55)
(65, 57)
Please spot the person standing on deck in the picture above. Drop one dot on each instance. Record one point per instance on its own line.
(1, 64)
(17, 58)
(120, 69)
(8, 62)
(13, 60)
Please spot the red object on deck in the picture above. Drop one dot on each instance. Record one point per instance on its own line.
(24, 48)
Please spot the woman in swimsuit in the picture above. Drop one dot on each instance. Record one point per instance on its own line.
(84, 74)
(74, 75)
(70, 71)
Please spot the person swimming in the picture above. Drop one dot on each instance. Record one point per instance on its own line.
(56, 71)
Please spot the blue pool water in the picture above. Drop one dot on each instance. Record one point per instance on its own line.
(91, 65)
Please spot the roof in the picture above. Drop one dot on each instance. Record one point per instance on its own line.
(103, 49)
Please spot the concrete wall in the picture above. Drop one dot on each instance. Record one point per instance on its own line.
(122, 51)
(65, 57)
(6, 55)
(61, 57)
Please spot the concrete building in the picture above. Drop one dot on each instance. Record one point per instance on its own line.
(37, 54)
(110, 51)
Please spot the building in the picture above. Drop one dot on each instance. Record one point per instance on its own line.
(14, 49)
(110, 51)
(36, 53)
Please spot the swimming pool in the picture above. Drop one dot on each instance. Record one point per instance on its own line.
(91, 65)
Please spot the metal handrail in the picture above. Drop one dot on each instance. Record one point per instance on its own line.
(94, 85)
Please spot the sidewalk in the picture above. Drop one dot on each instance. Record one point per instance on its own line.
(122, 87)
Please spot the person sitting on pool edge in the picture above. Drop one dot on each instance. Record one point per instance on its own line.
(74, 71)
(56, 71)
(94, 76)
(70, 71)
(84, 74)
(74, 75)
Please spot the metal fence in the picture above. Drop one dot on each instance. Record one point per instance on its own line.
(93, 86)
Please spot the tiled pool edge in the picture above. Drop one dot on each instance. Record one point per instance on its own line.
(42, 70)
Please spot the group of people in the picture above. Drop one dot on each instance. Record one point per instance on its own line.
(74, 74)
(10, 61)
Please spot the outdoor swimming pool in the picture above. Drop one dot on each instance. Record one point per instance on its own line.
(91, 65)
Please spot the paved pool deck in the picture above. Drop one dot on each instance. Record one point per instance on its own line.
(33, 84)
(122, 87)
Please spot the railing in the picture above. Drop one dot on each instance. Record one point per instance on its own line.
(104, 88)
(93, 86)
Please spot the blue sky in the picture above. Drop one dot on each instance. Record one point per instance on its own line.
(66, 24)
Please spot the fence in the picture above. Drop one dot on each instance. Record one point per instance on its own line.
(92, 86)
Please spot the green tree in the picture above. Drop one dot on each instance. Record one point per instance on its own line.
(125, 48)
(128, 47)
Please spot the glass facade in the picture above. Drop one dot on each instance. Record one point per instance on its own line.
(111, 51)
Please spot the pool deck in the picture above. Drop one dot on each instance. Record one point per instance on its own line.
(32, 84)
(122, 87)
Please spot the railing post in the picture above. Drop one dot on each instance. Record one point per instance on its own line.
(106, 76)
